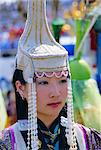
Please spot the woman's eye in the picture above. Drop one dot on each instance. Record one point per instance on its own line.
(63, 81)
(42, 82)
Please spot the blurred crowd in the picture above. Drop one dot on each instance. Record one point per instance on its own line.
(11, 25)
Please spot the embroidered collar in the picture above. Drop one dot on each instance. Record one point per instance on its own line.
(49, 137)
(22, 125)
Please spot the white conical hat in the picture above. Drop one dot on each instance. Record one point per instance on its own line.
(37, 49)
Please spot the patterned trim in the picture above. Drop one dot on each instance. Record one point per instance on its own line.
(95, 140)
(59, 68)
(13, 139)
(80, 137)
(5, 142)
(2, 146)
(85, 133)
(51, 74)
(20, 144)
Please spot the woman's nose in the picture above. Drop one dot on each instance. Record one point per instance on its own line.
(54, 91)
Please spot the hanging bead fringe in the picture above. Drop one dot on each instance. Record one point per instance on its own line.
(32, 116)
(70, 130)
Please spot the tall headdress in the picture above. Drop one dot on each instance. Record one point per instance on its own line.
(39, 53)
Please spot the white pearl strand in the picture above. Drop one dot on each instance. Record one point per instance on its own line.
(34, 131)
(29, 112)
(32, 116)
(70, 131)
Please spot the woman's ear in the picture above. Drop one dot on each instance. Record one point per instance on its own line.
(20, 88)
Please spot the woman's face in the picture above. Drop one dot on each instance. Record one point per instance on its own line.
(51, 95)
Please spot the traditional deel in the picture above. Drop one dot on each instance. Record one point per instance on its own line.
(40, 55)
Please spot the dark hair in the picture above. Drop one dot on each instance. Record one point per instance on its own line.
(21, 105)
(18, 75)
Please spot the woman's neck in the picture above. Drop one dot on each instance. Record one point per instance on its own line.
(47, 119)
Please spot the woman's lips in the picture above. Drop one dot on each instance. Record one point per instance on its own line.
(54, 105)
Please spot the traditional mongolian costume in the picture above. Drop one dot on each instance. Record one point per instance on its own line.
(40, 55)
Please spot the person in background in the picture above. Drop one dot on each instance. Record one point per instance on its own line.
(11, 107)
(42, 82)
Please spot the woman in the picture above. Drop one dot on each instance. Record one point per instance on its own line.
(42, 82)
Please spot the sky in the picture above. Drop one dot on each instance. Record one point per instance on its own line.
(8, 1)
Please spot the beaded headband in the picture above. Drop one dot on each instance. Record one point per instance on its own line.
(58, 74)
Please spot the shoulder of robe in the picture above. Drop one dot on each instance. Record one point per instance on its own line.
(91, 136)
